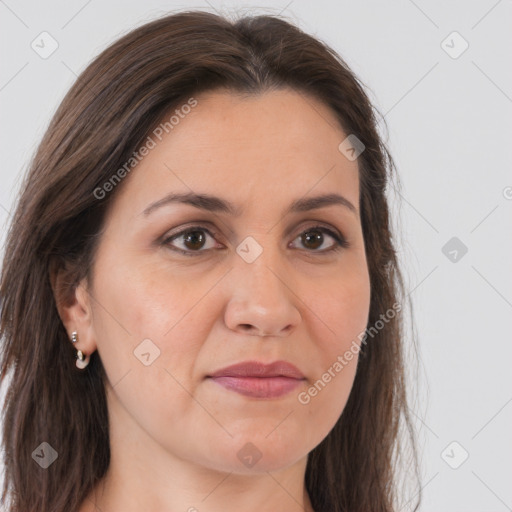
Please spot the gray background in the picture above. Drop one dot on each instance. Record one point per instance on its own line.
(449, 122)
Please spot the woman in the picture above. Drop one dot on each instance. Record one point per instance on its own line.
(204, 231)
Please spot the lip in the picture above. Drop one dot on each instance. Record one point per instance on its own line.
(259, 380)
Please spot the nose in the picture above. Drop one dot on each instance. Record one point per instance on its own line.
(262, 301)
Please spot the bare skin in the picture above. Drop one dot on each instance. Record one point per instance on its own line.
(176, 434)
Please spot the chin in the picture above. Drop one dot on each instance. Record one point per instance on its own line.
(258, 456)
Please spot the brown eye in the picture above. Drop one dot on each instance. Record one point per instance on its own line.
(193, 240)
(314, 237)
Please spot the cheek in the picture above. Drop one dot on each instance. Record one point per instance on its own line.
(136, 302)
(341, 306)
(340, 314)
(150, 330)
(323, 401)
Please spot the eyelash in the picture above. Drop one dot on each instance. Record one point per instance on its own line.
(341, 242)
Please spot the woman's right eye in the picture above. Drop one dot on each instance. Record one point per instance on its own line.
(194, 238)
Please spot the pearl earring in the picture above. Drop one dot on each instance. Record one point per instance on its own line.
(81, 360)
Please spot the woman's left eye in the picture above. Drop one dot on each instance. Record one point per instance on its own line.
(315, 235)
(195, 238)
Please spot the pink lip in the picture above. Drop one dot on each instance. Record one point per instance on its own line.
(259, 380)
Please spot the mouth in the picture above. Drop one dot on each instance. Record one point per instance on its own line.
(259, 380)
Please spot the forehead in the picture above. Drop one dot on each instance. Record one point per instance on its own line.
(256, 150)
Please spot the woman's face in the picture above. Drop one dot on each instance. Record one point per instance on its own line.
(260, 285)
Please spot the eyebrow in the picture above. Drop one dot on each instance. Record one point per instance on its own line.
(216, 204)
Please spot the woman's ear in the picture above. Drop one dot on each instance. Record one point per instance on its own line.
(73, 305)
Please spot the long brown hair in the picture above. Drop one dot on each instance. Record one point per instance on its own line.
(102, 121)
